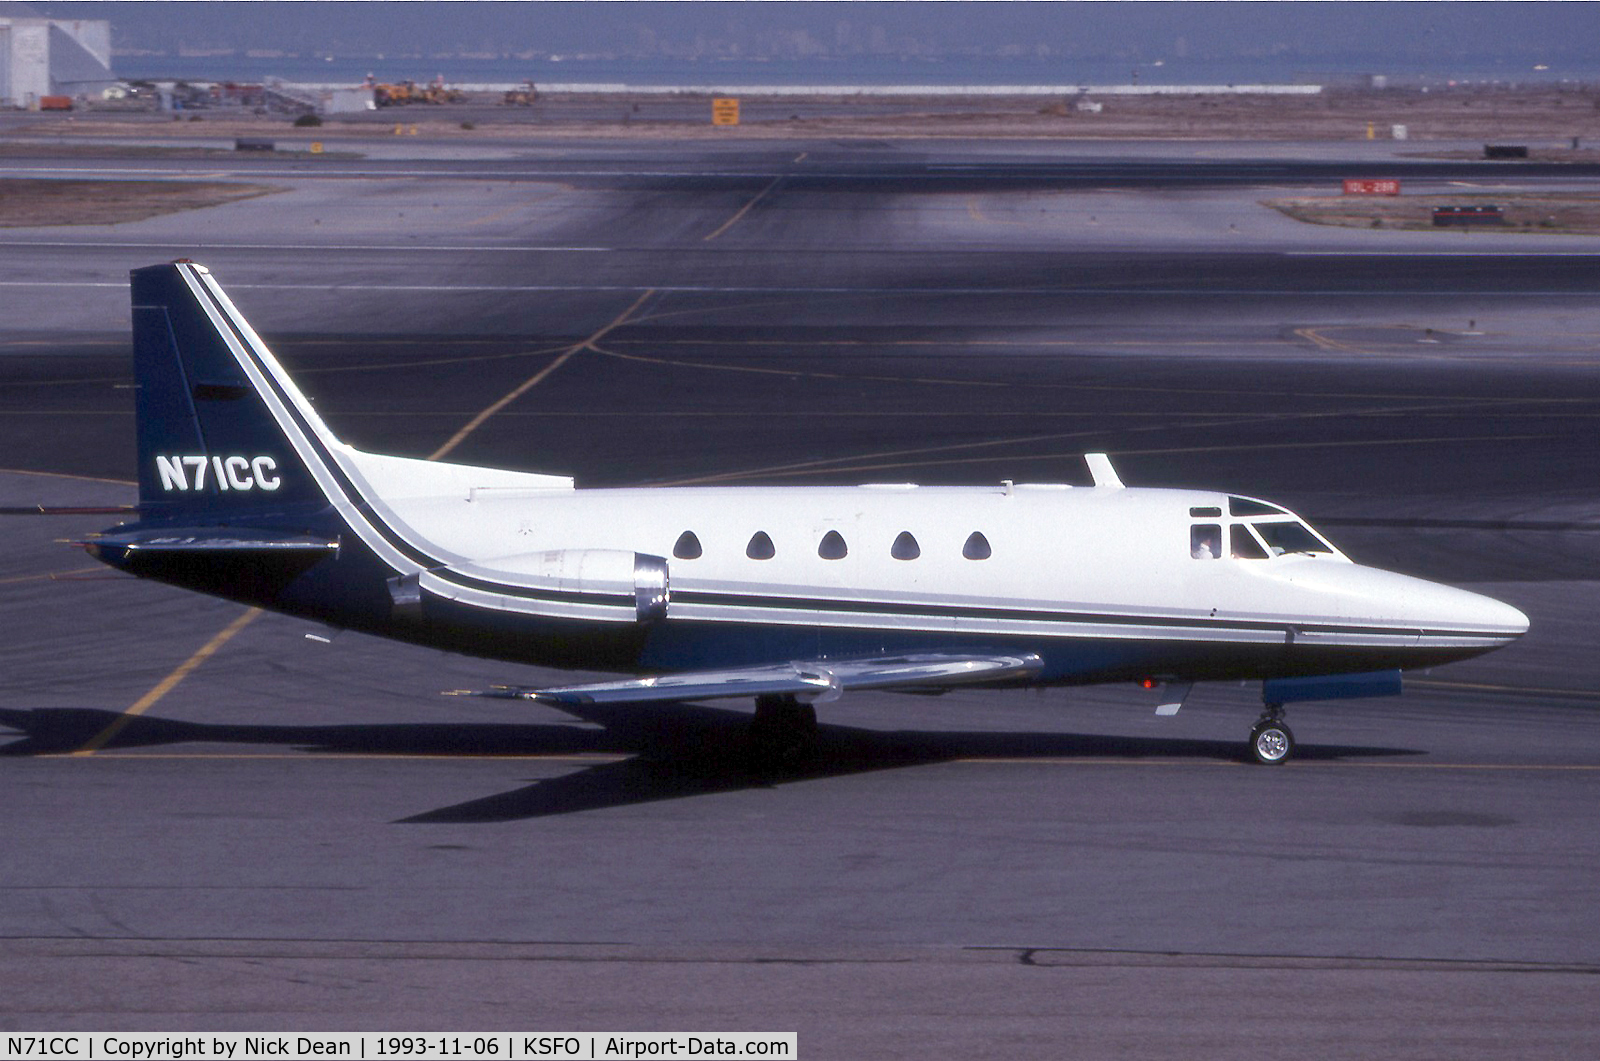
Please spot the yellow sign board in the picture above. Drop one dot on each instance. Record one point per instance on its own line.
(724, 112)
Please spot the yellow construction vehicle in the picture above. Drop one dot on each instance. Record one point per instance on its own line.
(437, 93)
(394, 95)
(403, 93)
(524, 96)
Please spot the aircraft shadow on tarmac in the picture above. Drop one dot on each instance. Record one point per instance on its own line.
(675, 751)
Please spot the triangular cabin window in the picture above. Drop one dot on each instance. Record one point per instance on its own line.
(760, 547)
(832, 546)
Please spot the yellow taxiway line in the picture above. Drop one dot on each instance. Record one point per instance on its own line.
(537, 378)
(167, 684)
(745, 209)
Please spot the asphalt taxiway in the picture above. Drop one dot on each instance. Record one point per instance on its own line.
(212, 822)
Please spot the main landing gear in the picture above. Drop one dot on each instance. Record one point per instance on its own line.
(1271, 741)
(783, 731)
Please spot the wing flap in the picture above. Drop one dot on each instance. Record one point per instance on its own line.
(813, 681)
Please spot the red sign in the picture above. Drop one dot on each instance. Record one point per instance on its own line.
(1357, 186)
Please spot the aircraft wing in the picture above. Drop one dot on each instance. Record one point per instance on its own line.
(812, 681)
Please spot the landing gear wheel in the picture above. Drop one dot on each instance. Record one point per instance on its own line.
(1271, 741)
(783, 731)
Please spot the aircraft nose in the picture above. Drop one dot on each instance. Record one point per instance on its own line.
(1445, 613)
(1442, 616)
(1493, 617)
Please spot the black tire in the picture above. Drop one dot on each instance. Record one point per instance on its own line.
(1271, 742)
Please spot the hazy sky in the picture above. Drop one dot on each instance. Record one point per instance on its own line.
(1147, 31)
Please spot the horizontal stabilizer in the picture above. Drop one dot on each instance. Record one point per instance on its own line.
(236, 562)
(213, 540)
(66, 510)
(813, 681)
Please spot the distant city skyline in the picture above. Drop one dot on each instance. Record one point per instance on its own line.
(1387, 33)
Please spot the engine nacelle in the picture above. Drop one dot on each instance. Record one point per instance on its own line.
(583, 576)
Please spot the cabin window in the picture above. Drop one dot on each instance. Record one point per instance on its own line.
(1291, 537)
(1243, 506)
(760, 547)
(976, 547)
(1243, 544)
(832, 546)
(905, 547)
(1205, 541)
(687, 547)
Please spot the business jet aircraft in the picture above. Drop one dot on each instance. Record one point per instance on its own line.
(793, 596)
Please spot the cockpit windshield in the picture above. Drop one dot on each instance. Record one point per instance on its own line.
(1244, 506)
(1254, 530)
(1290, 536)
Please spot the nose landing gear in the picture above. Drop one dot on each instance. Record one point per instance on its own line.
(1271, 740)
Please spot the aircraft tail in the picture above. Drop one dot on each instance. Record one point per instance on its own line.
(223, 433)
(245, 493)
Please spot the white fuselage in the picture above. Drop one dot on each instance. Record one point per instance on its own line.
(1096, 563)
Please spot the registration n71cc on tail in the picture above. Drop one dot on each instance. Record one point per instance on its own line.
(792, 596)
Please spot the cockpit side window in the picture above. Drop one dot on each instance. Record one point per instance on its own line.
(1205, 541)
(1290, 536)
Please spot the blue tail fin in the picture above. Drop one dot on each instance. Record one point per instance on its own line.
(214, 409)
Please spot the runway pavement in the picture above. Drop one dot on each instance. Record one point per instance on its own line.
(283, 834)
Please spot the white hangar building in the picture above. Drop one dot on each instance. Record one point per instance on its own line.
(42, 57)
